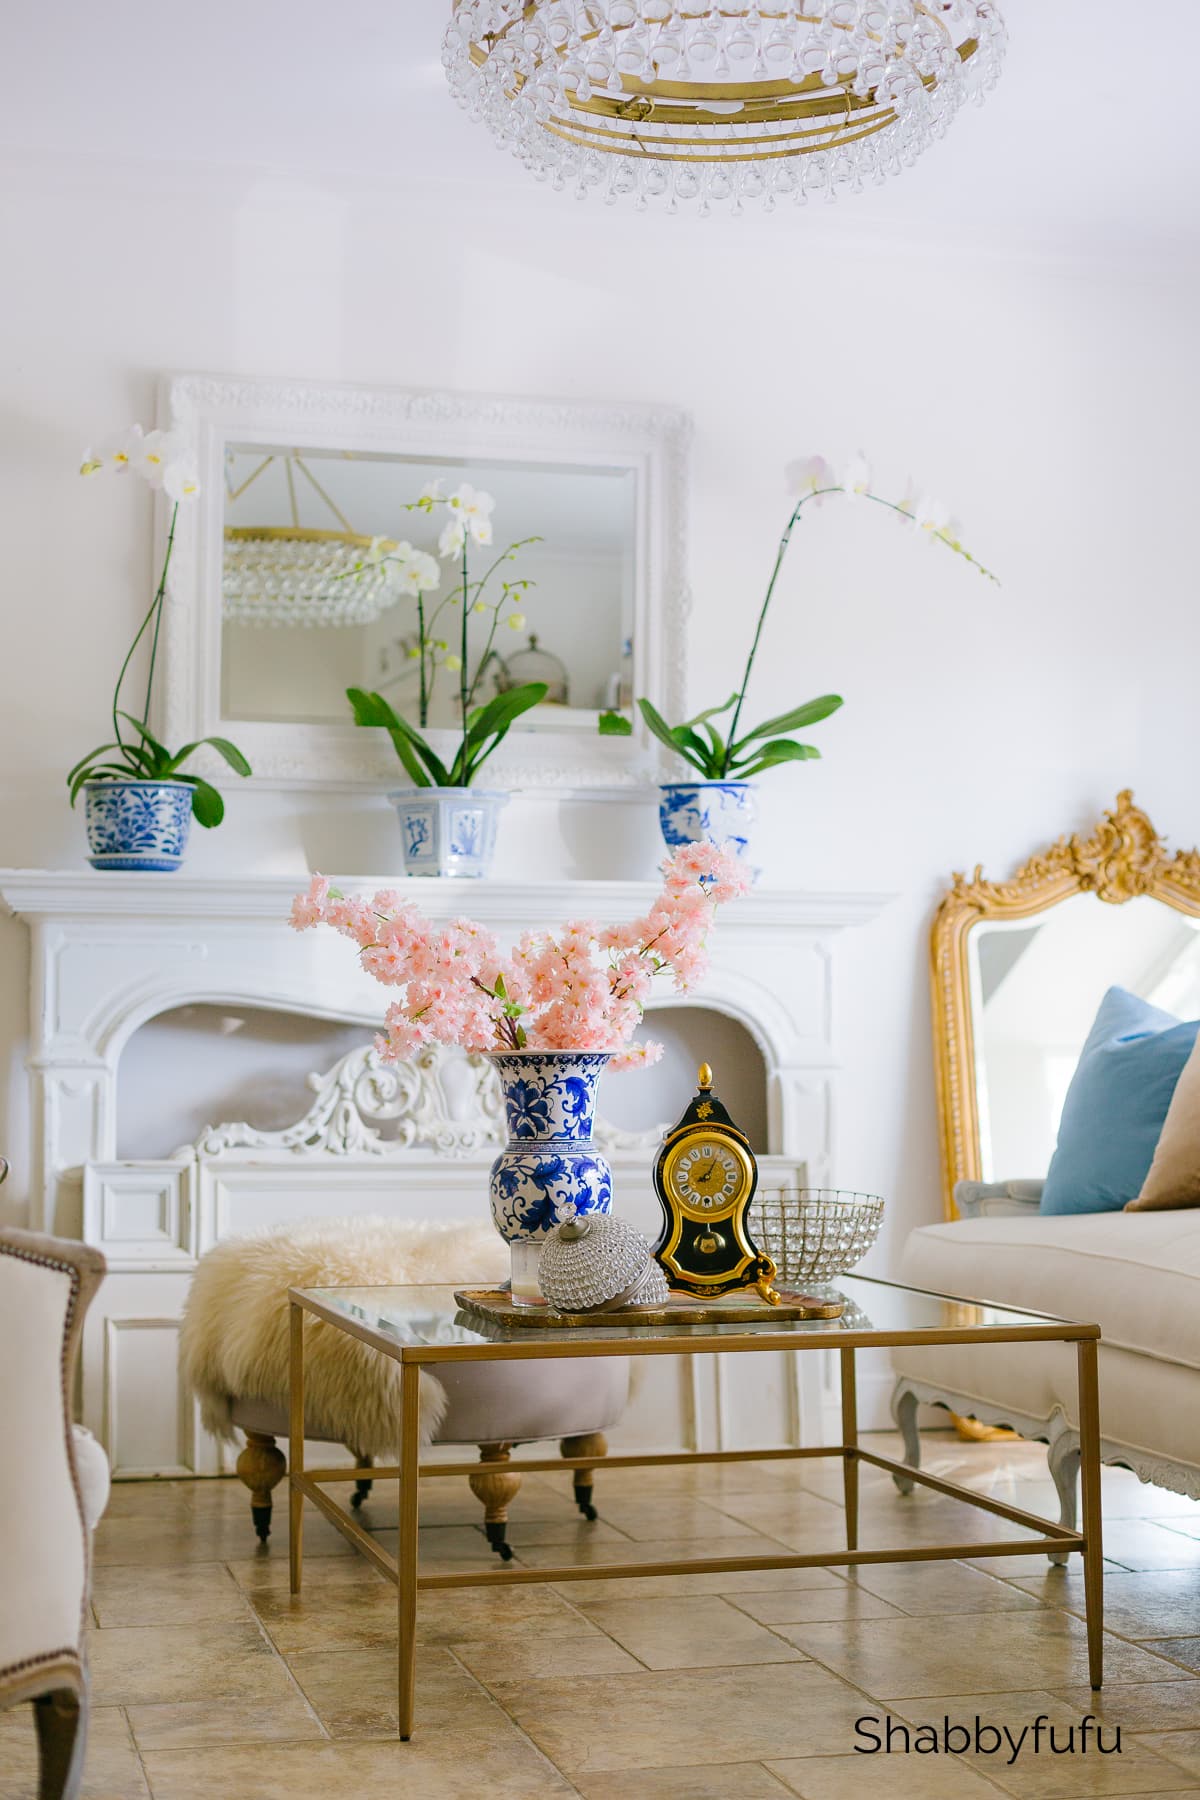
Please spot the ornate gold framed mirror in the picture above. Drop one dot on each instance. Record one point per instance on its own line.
(1019, 967)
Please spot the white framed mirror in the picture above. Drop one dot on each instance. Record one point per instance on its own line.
(276, 606)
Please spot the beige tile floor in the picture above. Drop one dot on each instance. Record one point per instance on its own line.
(210, 1681)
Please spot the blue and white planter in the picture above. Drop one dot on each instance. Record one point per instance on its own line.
(550, 1107)
(708, 812)
(137, 824)
(448, 831)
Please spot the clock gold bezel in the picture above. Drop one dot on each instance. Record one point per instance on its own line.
(687, 1142)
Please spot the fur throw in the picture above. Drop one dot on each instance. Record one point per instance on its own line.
(234, 1340)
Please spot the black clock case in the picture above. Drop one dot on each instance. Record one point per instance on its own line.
(738, 1263)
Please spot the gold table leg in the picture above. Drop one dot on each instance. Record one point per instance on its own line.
(406, 1549)
(1093, 1555)
(295, 1445)
(850, 1448)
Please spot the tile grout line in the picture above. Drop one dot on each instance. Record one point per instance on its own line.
(278, 1653)
(495, 1701)
(591, 1623)
(137, 1750)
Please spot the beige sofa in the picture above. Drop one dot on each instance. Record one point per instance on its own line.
(1136, 1275)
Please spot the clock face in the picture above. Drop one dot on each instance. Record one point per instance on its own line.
(707, 1175)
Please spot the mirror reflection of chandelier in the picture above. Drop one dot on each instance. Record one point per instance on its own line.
(286, 575)
(719, 100)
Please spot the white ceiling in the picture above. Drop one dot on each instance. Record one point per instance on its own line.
(1060, 157)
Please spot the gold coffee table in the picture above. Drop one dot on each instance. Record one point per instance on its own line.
(420, 1327)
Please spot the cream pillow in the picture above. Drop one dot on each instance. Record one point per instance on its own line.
(1174, 1177)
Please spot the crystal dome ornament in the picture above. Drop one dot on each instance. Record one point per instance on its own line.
(719, 100)
(536, 664)
(599, 1263)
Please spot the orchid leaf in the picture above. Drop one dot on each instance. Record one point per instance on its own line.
(496, 717)
(373, 710)
(102, 772)
(680, 739)
(811, 713)
(208, 808)
(714, 711)
(159, 752)
(615, 724)
(222, 746)
(717, 760)
(135, 755)
(778, 750)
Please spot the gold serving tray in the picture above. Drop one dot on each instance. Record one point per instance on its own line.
(498, 1306)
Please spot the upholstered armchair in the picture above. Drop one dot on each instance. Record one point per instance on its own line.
(53, 1484)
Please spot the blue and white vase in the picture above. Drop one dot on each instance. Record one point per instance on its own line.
(448, 830)
(708, 812)
(550, 1159)
(137, 824)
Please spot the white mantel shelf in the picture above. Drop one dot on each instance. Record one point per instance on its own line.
(110, 952)
(92, 894)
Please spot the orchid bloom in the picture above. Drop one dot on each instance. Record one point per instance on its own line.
(810, 475)
(856, 476)
(475, 506)
(416, 571)
(161, 458)
(179, 479)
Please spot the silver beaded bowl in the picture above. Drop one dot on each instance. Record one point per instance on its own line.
(599, 1263)
(815, 1234)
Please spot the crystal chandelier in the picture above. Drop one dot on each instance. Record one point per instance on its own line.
(719, 100)
(298, 575)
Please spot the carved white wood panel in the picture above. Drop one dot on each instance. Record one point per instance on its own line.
(131, 1392)
(140, 1213)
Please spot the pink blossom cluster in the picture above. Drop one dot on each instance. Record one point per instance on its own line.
(584, 987)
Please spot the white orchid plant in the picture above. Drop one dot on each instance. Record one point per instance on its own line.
(724, 755)
(162, 460)
(467, 522)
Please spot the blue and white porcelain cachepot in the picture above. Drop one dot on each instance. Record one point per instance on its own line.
(708, 812)
(137, 824)
(550, 1159)
(448, 830)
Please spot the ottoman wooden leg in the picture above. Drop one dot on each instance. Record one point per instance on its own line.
(261, 1465)
(590, 1443)
(496, 1488)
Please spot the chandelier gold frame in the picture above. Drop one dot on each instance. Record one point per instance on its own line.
(673, 103)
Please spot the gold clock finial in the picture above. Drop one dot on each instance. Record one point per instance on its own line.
(706, 1077)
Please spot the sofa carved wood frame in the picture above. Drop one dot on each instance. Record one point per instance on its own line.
(1122, 859)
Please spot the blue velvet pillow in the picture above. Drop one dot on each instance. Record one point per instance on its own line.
(1116, 1104)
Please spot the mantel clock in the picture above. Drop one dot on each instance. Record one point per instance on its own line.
(705, 1179)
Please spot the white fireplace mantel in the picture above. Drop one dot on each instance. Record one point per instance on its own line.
(112, 951)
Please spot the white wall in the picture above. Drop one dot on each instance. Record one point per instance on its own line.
(1052, 403)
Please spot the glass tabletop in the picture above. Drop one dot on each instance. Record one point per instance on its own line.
(426, 1324)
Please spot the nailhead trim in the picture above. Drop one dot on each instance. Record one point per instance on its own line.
(66, 1268)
